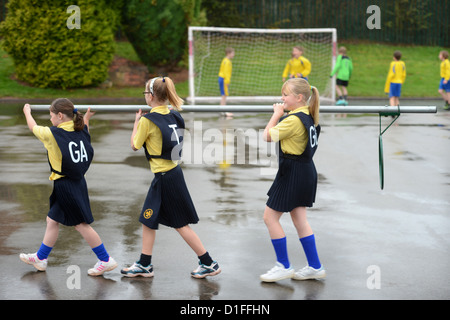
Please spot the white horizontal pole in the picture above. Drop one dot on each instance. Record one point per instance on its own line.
(260, 30)
(250, 108)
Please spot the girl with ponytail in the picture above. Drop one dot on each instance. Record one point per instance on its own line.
(70, 153)
(66, 108)
(295, 184)
(168, 202)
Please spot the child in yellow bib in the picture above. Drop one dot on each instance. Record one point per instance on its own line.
(298, 66)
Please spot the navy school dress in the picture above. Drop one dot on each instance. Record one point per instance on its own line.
(295, 183)
(69, 201)
(168, 201)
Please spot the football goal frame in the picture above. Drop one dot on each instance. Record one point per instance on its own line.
(327, 87)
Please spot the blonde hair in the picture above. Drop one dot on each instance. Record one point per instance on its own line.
(228, 50)
(310, 95)
(66, 107)
(164, 90)
(444, 54)
(342, 50)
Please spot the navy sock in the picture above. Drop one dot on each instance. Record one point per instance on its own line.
(101, 253)
(145, 260)
(44, 251)
(280, 247)
(309, 246)
(206, 259)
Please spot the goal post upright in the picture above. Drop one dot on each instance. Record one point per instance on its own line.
(333, 63)
(197, 75)
(191, 65)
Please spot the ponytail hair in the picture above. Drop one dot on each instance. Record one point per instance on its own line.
(66, 107)
(164, 90)
(314, 105)
(310, 95)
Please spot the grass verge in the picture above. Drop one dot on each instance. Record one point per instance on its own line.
(371, 62)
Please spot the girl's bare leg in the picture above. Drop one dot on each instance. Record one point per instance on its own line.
(148, 240)
(298, 216)
(51, 233)
(89, 234)
(192, 239)
(272, 221)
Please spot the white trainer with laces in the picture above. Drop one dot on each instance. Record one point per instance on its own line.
(310, 273)
(32, 258)
(102, 267)
(277, 273)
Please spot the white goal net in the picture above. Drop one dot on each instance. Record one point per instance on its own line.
(260, 58)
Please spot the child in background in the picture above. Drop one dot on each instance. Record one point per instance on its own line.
(70, 153)
(298, 66)
(395, 79)
(344, 68)
(168, 202)
(295, 184)
(225, 77)
(444, 85)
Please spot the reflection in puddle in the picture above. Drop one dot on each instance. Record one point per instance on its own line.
(410, 156)
(238, 219)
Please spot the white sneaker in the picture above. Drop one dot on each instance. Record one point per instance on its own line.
(33, 259)
(310, 273)
(279, 272)
(102, 267)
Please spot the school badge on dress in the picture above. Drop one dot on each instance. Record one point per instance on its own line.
(148, 213)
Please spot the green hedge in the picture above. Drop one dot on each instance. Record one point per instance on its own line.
(157, 29)
(46, 53)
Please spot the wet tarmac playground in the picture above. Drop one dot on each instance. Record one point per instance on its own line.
(375, 244)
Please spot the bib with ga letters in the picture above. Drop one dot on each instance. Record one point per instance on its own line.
(76, 150)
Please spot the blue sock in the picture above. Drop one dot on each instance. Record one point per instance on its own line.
(309, 246)
(43, 251)
(101, 253)
(281, 251)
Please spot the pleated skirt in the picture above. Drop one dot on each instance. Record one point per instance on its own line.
(69, 202)
(168, 201)
(294, 186)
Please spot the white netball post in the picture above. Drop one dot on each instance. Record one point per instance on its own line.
(260, 58)
(382, 110)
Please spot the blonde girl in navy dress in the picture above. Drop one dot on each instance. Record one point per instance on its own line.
(295, 184)
(70, 153)
(168, 202)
